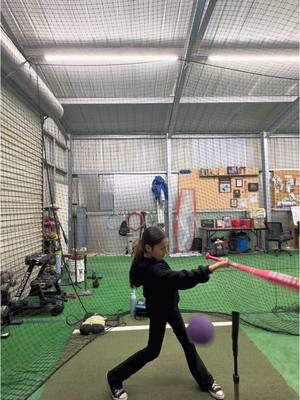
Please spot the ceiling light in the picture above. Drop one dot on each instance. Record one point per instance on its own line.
(254, 56)
(108, 57)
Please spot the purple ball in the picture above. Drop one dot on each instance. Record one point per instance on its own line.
(200, 330)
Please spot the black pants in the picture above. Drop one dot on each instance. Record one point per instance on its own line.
(156, 335)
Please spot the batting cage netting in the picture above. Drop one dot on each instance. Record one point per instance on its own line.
(201, 143)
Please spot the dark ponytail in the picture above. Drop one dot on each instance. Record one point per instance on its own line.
(151, 236)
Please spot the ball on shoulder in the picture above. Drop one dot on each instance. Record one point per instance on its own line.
(200, 330)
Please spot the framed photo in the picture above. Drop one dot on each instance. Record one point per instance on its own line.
(203, 172)
(253, 187)
(236, 193)
(242, 170)
(225, 185)
(233, 203)
(227, 222)
(239, 182)
(219, 223)
(232, 170)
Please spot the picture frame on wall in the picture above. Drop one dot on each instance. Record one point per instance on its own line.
(236, 193)
(252, 187)
(239, 183)
(225, 185)
(233, 203)
(232, 170)
(242, 170)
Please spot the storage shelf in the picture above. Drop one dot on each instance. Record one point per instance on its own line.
(227, 176)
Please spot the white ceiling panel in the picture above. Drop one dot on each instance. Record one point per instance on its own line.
(107, 23)
(137, 80)
(207, 80)
(252, 24)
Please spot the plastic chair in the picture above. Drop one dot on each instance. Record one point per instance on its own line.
(275, 233)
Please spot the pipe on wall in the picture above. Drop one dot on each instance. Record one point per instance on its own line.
(21, 72)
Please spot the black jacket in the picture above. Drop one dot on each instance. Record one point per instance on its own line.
(161, 284)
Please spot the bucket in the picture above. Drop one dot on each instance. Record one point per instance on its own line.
(235, 222)
(79, 269)
(241, 244)
(246, 222)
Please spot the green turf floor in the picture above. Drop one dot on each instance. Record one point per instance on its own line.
(168, 376)
(281, 350)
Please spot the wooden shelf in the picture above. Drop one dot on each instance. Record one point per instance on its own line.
(282, 209)
(227, 176)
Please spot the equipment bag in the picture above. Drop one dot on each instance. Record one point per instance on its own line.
(123, 230)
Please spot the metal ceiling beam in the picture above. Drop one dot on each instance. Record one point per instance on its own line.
(161, 135)
(169, 100)
(194, 34)
(115, 100)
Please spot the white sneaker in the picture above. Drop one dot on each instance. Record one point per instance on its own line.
(117, 393)
(216, 391)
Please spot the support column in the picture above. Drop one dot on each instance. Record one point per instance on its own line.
(169, 203)
(266, 175)
(70, 193)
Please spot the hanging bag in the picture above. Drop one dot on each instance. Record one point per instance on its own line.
(123, 230)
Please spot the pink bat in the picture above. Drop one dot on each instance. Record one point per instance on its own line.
(282, 279)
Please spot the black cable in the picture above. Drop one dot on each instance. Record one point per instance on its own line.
(242, 71)
(179, 59)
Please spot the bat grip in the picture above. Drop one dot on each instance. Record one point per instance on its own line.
(208, 256)
(235, 332)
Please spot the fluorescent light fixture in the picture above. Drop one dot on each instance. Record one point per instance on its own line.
(109, 56)
(285, 56)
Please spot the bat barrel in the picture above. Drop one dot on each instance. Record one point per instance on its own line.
(288, 281)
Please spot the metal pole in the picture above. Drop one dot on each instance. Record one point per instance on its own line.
(235, 335)
(266, 180)
(169, 202)
(74, 211)
(265, 174)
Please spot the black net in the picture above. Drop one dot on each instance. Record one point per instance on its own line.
(189, 123)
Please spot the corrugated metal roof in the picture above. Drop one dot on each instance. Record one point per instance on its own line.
(106, 23)
(217, 96)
